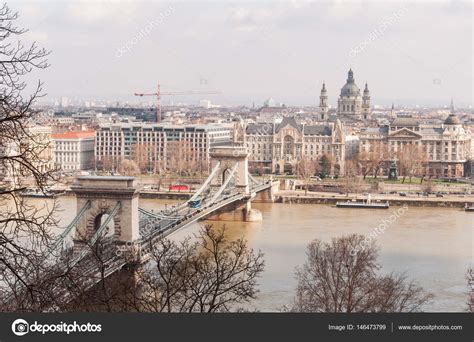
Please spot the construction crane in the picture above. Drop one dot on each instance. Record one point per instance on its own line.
(158, 95)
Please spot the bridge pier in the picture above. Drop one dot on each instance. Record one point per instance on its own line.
(268, 195)
(250, 214)
(237, 211)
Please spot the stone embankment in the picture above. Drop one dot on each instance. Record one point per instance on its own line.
(331, 199)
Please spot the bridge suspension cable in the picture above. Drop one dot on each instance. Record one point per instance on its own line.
(206, 183)
(57, 243)
(254, 180)
(60, 240)
(224, 185)
(96, 235)
(251, 177)
(157, 215)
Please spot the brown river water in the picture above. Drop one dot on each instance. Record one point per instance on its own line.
(433, 246)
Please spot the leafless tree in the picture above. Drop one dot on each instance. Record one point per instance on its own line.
(145, 156)
(108, 164)
(470, 282)
(209, 275)
(128, 167)
(365, 163)
(352, 181)
(411, 161)
(379, 155)
(90, 287)
(25, 234)
(342, 276)
(305, 169)
(174, 161)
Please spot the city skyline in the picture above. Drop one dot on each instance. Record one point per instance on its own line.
(251, 52)
(241, 157)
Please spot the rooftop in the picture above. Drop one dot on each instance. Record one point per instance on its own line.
(74, 135)
(405, 122)
(165, 125)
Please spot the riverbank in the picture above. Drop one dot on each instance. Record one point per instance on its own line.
(330, 199)
(184, 195)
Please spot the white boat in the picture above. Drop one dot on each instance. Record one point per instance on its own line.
(368, 204)
(468, 208)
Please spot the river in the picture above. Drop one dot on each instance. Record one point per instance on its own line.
(434, 246)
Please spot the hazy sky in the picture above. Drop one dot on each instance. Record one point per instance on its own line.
(409, 53)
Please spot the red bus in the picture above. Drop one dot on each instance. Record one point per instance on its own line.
(179, 187)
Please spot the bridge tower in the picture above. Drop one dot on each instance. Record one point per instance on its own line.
(108, 196)
(233, 162)
(230, 157)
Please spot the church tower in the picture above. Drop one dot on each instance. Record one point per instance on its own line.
(323, 103)
(366, 102)
(393, 116)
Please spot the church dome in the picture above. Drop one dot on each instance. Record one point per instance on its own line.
(452, 120)
(270, 102)
(350, 88)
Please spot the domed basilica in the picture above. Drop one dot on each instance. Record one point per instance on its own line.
(350, 102)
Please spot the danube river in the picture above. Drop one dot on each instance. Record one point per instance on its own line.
(433, 246)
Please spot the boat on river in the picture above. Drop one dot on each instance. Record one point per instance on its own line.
(363, 204)
(469, 207)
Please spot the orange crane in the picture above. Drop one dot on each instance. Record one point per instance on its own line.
(158, 95)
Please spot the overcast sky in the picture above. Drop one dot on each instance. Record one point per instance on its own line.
(409, 53)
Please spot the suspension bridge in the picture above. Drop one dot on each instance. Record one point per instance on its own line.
(105, 201)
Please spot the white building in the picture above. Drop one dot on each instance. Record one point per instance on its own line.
(35, 146)
(74, 151)
(41, 142)
(64, 102)
(160, 143)
(205, 104)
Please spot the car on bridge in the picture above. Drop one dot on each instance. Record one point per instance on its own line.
(195, 203)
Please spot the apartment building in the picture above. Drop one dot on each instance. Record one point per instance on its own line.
(159, 145)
